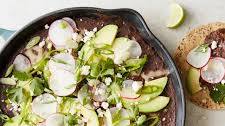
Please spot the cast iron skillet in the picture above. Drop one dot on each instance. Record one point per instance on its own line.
(18, 40)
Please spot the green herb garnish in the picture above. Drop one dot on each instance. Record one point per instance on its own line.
(202, 48)
(218, 93)
(36, 86)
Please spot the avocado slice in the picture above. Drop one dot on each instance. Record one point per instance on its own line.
(105, 36)
(91, 115)
(160, 82)
(193, 84)
(154, 105)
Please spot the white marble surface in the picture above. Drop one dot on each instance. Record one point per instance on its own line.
(16, 13)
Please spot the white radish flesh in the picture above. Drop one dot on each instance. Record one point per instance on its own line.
(71, 22)
(213, 72)
(124, 49)
(21, 63)
(44, 105)
(127, 90)
(68, 65)
(60, 32)
(62, 83)
(198, 59)
(55, 120)
(135, 49)
(124, 114)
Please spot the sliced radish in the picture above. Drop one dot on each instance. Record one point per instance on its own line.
(127, 90)
(221, 59)
(55, 120)
(63, 61)
(60, 32)
(213, 72)
(62, 82)
(71, 22)
(124, 114)
(124, 49)
(44, 105)
(198, 59)
(135, 49)
(21, 63)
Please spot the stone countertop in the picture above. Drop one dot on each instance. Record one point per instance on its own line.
(14, 14)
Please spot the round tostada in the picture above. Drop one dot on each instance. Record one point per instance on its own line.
(201, 60)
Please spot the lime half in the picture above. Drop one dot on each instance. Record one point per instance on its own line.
(176, 16)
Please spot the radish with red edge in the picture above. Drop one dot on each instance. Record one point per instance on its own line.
(21, 63)
(197, 58)
(214, 71)
(71, 22)
(128, 91)
(221, 59)
(60, 32)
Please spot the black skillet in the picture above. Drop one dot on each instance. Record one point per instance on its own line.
(19, 39)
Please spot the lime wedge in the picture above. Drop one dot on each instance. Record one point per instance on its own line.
(176, 16)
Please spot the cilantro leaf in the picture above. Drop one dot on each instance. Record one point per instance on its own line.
(218, 94)
(36, 86)
(17, 95)
(202, 48)
(23, 76)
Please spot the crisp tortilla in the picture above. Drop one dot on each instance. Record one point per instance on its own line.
(193, 39)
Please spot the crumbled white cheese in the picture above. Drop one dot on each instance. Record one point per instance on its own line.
(42, 44)
(223, 82)
(99, 91)
(108, 81)
(85, 70)
(46, 26)
(100, 112)
(93, 82)
(81, 19)
(105, 105)
(96, 104)
(136, 85)
(119, 75)
(119, 105)
(88, 35)
(214, 45)
(163, 119)
(95, 29)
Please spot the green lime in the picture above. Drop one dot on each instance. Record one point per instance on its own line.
(176, 16)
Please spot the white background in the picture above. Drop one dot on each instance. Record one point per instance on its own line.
(16, 13)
